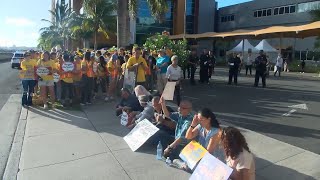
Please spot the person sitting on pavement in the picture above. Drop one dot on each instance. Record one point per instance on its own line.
(238, 155)
(206, 127)
(140, 90)
(183, 119)
(128, 102)
(147, 113)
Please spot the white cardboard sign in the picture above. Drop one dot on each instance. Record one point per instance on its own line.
(140, 134)
(68, 66)
(42, 71)
(168, 91)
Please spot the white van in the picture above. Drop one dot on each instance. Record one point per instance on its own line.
(16, 59)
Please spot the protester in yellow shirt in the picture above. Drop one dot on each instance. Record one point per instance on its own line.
(87, 79)
(101, 76)
(46, 80)
(77, 76)
(113, 67)
(138, 64)
(27, 79)
(66, 77)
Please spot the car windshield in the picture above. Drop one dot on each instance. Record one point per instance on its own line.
(18, 55)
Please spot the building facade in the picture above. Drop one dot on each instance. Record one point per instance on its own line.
(259, 14)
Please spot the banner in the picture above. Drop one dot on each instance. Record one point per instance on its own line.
(192, 153)
(67, 66)
(140, 134)
(211, 168)
(124, 118)
(168, 91)
(129, 80)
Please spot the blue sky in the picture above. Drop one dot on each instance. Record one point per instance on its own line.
(21, 20)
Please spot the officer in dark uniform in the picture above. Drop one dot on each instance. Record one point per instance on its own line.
(204, 67)
(234, 64)
(261, 69)
(193, 61)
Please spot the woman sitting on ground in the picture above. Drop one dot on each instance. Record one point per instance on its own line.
(206, 127)
(238, 155)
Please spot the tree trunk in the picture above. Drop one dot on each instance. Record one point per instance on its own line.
(123, 23)
(95, 41)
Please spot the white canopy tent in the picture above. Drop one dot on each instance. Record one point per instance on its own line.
(270, 51)
(265, 46)
(244, 46)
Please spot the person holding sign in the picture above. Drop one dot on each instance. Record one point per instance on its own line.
(206, 127)
(183, 119)
(139, 65)
(66, 76)
(27, 78)
(238, 155)
(174, 75)
(45, 70)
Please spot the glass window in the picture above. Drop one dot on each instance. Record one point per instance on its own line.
(264, 12)
(292, 9)
(255, 14)
(276, 11)
(287, 9)
(281, 10)
(232, 17)
(269, 12)
(259, 13)
(229, 18)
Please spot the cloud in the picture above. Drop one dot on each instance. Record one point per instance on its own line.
(19, 21)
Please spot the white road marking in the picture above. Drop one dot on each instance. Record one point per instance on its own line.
(289, 113)
(299, 106)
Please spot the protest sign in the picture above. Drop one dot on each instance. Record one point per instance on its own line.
(129, 81)
(140, 134)
(211, 168)
(56, 77)
(168, 91)
(68, 66)
(42, 71)
(124, 118)
(192, 153)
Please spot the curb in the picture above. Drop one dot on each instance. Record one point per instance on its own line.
(12, 167)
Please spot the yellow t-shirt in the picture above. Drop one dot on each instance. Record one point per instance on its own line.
(27, 69)
(68, 77)
(51, 65)
(77, 76)
(141, 73)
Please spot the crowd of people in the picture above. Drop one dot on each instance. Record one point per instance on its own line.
(91, 72)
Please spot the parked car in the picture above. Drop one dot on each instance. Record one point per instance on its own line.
(16, 59)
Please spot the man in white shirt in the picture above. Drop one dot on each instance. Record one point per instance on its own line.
(279, 64)
(174, 75)
(249, 62)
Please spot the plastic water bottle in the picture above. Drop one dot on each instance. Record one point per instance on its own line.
(168, 161)
(159, 151)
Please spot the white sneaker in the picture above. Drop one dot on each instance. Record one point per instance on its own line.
(45, 106)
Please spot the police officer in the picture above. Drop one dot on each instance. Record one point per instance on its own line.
(204, 67)
(261, 69)
(234, 63)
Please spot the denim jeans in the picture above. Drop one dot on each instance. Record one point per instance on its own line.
(66, 88)
(28, 88)
(86, 89)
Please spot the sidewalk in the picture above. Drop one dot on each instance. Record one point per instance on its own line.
(89, 145)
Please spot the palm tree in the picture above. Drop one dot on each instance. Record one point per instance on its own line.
(158, 9)
(59, 26)
(82, 29)
(100, 16)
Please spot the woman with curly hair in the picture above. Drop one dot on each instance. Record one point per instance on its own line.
(238, 154)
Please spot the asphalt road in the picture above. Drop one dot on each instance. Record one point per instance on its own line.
(261, 109)
(9, 82)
